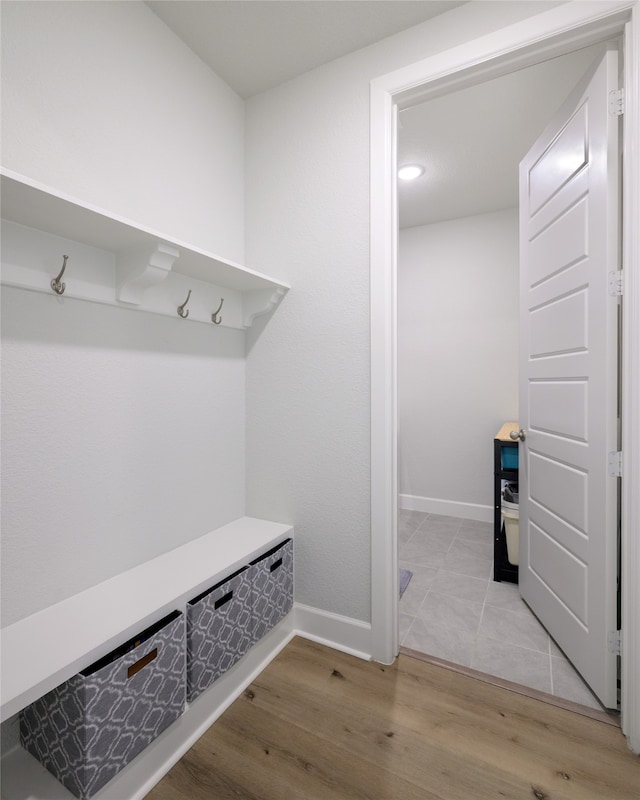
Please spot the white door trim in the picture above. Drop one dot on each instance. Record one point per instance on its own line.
(630, 578)
(551, 33)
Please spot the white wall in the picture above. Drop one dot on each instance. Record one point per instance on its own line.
(457, 355)
(100, 100)
(123, 433)
(122, 437)
(307, 218)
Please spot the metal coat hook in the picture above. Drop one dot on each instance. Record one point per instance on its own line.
(214, 317)
(56, 284)
(181, 309)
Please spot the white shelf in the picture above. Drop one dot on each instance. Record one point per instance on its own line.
(40, 652)
(141, 257)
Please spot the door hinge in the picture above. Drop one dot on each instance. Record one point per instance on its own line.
(616, 102)
(613, 641)
(616, 283)
(614, 464)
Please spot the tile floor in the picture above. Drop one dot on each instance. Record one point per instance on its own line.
(453, 609)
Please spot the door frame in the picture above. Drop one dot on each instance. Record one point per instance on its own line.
(548, 34)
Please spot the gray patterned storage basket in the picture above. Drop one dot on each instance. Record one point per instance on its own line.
(89, 728)
(272, 582)
(219, 631)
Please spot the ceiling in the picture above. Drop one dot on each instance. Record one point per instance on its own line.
(254, 45)
(471, 141)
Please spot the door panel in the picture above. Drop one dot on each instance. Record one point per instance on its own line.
(559, 488)
(556, 566)
(570, 538)
(559, 407)
(560, 160)
(568, 384)
(562, 243)
(559, 326)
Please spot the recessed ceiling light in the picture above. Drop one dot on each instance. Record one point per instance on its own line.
(409, 172)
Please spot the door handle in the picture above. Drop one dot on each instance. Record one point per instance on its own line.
(518, 435)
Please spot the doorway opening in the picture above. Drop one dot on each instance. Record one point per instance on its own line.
(554, 33)
(458, 326)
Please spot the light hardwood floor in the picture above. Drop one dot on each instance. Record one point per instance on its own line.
(318, 724)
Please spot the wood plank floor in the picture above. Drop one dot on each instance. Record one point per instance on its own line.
(321, 725)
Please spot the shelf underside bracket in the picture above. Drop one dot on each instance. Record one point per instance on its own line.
(139, 270)
(260, 301)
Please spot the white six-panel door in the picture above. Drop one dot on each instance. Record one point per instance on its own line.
(568, 377)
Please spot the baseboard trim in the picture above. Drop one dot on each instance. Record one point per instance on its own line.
(341, 633)
(451, 508)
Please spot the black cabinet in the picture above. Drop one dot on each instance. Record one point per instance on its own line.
(505, 468)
